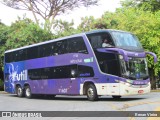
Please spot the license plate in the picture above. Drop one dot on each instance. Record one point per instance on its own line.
(140, 91)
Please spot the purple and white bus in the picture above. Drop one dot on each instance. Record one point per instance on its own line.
(79, 65)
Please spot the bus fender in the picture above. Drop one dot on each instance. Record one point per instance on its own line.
(83, 86)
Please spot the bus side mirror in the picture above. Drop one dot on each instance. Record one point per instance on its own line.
(154, 55)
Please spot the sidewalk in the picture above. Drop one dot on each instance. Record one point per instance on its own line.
(155, 90)
(3, 92)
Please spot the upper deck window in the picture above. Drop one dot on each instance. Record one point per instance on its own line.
(77, 45)
(64, 46)
(97, 39)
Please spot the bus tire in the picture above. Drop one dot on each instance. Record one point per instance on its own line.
(19, 91)
(116, 96)
(92, 92)
(28, 93)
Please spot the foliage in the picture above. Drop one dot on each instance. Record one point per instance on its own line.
(63, 28)
(1, 82)
(26, 32)
(21, 33)
(106, 21)
(4, 31)
(1, 85)
(87, 23)
(145, 5)
(48, 9)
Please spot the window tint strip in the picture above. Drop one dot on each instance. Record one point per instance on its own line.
(59, 72)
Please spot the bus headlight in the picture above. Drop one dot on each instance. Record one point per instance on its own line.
(120, 57)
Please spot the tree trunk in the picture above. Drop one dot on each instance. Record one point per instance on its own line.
(152, 78)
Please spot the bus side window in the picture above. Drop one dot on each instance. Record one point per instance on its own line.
(34, 74)
(97, 39)
(41, 51)
(61, 47)
(85, 71)
(77, 45)
(32, 52)
(51, 50)
(9, 57)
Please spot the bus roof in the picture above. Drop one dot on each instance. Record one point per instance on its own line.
(104, 30)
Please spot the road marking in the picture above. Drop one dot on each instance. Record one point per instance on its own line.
(132, 118)
(114, 107)
(126, 106)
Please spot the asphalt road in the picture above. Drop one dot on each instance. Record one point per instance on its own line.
(148, 102)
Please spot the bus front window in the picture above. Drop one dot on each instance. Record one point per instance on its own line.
(126, 41)
(134, 69)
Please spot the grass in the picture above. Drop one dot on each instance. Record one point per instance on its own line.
(1, 85)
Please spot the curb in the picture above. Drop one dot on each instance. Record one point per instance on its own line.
(155, 90)
(3, 92)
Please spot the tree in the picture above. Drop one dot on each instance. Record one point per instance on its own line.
(25, 32)
(145, 5)
(4, 31)
(107, 21)
(48, 9)
(64, 28)
(87, 23)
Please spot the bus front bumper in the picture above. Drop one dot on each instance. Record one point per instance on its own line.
(121, 89)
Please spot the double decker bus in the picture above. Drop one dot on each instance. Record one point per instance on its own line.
(79, 65)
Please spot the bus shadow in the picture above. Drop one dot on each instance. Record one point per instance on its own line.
(83, 98)
(99, 100)
(120, 99)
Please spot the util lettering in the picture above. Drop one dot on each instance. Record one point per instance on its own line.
(22, 75)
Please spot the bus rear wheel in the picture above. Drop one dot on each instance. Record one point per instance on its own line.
(28, 93)
(19, 91)
(92, 92)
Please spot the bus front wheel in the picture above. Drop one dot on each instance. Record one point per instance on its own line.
(28, 93)
(92, 92)
(19, 91)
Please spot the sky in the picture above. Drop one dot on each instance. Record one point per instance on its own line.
(9, 15)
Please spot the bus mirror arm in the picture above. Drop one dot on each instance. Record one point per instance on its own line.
(154, 55)
(120, 51)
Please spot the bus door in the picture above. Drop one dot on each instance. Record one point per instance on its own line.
(79, 72)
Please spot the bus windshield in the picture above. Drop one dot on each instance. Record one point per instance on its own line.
(126, 41)
(135, 68)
